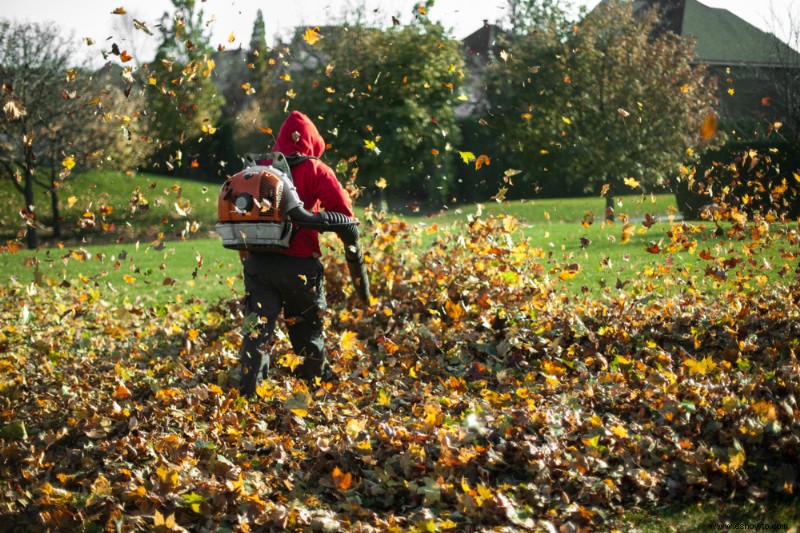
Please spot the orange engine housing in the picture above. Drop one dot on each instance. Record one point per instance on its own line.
(252, 195)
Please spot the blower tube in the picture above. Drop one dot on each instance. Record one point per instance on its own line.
(341, 224)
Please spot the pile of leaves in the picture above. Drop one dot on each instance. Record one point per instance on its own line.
(474, 392)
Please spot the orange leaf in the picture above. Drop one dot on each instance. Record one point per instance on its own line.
(709, 127)
(121, 392)
(341, 480)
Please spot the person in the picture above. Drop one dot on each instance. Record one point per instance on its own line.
(292, 279)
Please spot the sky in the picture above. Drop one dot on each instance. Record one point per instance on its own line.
(234, 18)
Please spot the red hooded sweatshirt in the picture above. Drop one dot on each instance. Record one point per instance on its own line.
(316, 182)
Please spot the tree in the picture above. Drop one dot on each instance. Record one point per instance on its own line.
(608, 103)
(43, 107)
(184, 100)
(385, 99)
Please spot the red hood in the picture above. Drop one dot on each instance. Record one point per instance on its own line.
(299, 135)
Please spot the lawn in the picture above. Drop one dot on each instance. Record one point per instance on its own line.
(151, 238)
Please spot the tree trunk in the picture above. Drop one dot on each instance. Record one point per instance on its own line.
(56, 210)
(31, 239)
(610, 206)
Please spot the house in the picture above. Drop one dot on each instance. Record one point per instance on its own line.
(758, 74)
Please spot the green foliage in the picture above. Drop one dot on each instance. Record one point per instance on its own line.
(185, 103)
(384, 100)
(591, 104)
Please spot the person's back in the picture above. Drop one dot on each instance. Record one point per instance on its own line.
(292, 279)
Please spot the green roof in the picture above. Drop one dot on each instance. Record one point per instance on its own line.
(723, 37)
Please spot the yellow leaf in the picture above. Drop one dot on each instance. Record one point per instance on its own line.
(349, 341)
(128, 278)
(166, 477)
(701, 367)
(566, 120)
(593, 442)
(569, 272)
(231, 37)
(68, 163)
(466, 157)
(619, 431)
(384, 398)
(381, 183)
(737, 458)
(311, 36)
(630, 182)
(119, 11)
(291, 361)
(422, 10)
(454, 310)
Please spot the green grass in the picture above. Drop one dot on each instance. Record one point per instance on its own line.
(708, 516)
(169, 251)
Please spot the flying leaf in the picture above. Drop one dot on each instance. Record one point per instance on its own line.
(311, 36)
(631, 182)
(709, 127)
(372, 146)
(139, 25)
(466, 157)
(381, 183)
(68, 162)
(500, 196)
(231, 37)
(119, 11)
(482, 160)
(627, 231)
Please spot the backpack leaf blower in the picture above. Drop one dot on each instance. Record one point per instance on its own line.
(258, 209)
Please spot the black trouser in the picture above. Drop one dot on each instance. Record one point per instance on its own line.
(273, 281)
